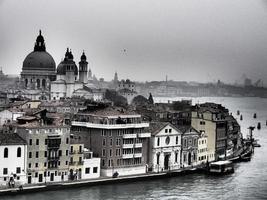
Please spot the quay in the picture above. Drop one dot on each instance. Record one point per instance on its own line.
(98, 181)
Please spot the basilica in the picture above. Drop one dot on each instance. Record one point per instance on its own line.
(41, 80)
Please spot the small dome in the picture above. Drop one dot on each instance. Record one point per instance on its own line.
(67, 65)
(83, 57)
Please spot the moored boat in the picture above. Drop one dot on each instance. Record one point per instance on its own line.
(221, 167)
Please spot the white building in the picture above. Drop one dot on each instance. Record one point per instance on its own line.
(12, 160)
(91, 166)
(72, 81)
(202, 152)
(165, 147)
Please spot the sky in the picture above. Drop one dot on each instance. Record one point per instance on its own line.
(187, 40)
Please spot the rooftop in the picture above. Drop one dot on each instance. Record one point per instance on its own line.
(11, 139)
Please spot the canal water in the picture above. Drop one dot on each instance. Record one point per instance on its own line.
(248, 182)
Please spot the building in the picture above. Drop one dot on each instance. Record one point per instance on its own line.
(48, 141)
(202, 152)
(211, 119)
(91, 165)
(190, 138)
(127, 89)
(165, 147)
(10, 115)
(73, 81)
(115, 135)
(38, 71)
(13, 161)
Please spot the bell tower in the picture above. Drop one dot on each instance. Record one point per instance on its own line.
(83, 68)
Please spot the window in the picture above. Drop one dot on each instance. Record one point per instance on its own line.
(37, 141)
(30, 154)
(118, 142)
(5, 171)
(103, 152)
(30, 142)
(103, 163)
(67, 140)
(6, 152)
(176, 157)
(176, 140)
(18, 170)
(36, 165)
(167, 140)
(37, 154)
(18, 152)
(30, 165)
(36, 174)
(166, 130)
(67, 152)
(170, 130)
(45, 164)
(104, 142)
(110, 152)
(45, 154)
(45, 141)
(87, 170)
(110, 142)
(95, 170)
(158, 158)
(158, 141)
(60, 153)
(66, 163)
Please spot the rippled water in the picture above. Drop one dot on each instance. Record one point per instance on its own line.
(248, 182)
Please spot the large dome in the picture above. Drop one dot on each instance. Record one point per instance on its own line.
(67, 64)
(39, 60)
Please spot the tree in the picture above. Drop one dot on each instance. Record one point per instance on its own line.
(150, 99)
(116, 98)
(139, 100)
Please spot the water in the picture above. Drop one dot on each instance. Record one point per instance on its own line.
(248, 182)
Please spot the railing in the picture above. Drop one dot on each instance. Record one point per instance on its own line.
(110, 126)
(127, 146)
(132, 135)
(127, 155)
(138, 145)
(144, 135)
(138, 155)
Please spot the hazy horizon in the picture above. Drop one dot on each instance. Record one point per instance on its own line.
(143, 40)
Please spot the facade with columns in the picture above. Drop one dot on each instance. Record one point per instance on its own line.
(165, 147)
(38, 71)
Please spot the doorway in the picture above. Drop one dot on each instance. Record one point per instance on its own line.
(166, 161)
(52, 177)
(40, 178)
(189, 158)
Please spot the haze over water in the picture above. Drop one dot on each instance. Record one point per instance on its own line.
(248, 182)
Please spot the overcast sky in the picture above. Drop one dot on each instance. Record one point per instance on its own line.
(189, 40)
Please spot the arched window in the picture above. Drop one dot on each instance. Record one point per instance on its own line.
(6, 153)
(176, 139)
(19, 152)
(43, 83)
(38, 83)
(158, 141)
(26, 82)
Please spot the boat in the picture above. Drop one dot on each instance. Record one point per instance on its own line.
(221, 167)
(245, 158)
(256, 144)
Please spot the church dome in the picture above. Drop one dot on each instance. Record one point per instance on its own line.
(67, 65)
(39, 59)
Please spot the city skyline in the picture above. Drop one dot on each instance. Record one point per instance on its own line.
(135, 38)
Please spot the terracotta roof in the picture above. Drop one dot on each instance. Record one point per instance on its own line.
(110, 111)
(11, 139)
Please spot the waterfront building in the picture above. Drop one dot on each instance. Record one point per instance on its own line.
(13, 150)
(190, 138)
(38, 71)
(210, 118)
(202, 151)
(117, 136)
(165, 147)
(48, 141)
(91, 165)
(76, 158)
(74, 82)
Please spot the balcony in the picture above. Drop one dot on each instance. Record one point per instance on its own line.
(127, 136)
(53, 158)
(138, 145)
(124, 156)
(138, 155)
(127, 146)
(109, 126)
(144, 135)
(72, 163)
